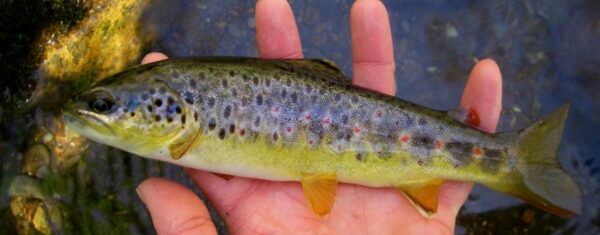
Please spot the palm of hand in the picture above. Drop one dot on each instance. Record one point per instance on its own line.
(251, 206)
(255, 206)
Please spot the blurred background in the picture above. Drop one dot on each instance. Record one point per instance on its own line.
(56, 182)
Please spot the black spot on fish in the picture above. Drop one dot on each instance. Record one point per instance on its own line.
(245, 77)
(227, 112)
(337, 97)
(268, 82)
(422, 122)
(245, 101)
(234, 92)
(461, 152)
(132, 114)
(157, 118)
(170, 101)
(361, 157)
(162, 90)
(210, 102)
(224, 83)
(149, 107)
(212, 123)
(183, 119)
(408, 120)
(259, 99)
(158, 102)
(178, 109)
(188, 97)
(422, 141)
(345, 119)
(195, 116)
(348, 136)
(294, 97)
(491, 161)
(151, 91)
(231, 128)
(145, 96)
(257, 121)
(283, 93)
(231, 73)
(193, 84)
(316, 127)
(221, 133)
(255, 80)
(201, 76)
(169, 119)
(275, 136)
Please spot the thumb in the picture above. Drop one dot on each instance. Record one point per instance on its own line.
(174, 208)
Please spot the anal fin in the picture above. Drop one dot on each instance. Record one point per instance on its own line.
(424, 195)
(319, 190)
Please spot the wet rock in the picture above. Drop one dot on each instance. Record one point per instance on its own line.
(33, 216)
(36, 160)
(528, 216)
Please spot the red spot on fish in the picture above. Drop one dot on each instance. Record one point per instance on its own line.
(477, 151)
(276, 109)
(438, 144)
(405, 138)
(307, 116)
(288, 129)
(311, 142)
(472, 117)
(326, 120)
(378, 114)
(356, 129)
(242, 132)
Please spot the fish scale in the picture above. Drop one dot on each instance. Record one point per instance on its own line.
(301, 120)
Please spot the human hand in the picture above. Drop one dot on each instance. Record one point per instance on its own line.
(251, 206)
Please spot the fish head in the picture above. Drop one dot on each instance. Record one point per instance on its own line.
(136, 113)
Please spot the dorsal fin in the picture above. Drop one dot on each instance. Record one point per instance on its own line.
(314, 67)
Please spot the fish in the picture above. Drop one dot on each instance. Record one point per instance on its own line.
(302, 120)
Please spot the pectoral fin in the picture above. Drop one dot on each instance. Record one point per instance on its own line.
(319, 190)
(424, 196)
(179, 146)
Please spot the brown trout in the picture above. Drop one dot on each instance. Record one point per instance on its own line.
(301, 120)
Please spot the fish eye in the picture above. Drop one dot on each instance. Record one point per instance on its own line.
(100, 102)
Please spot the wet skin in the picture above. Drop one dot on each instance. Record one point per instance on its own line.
(251, 206)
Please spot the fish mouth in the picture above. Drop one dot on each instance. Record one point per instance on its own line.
(84, 120)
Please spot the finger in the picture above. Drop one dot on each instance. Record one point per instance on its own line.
(372, 51)
(222, 193)
(153, 57)
(174, 209)
(483, 93)
(276, 31)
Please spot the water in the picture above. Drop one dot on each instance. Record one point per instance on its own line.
(547, 52)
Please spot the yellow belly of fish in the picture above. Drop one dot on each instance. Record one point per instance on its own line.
(263, 160)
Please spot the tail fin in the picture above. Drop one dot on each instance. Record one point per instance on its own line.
(538, 178)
